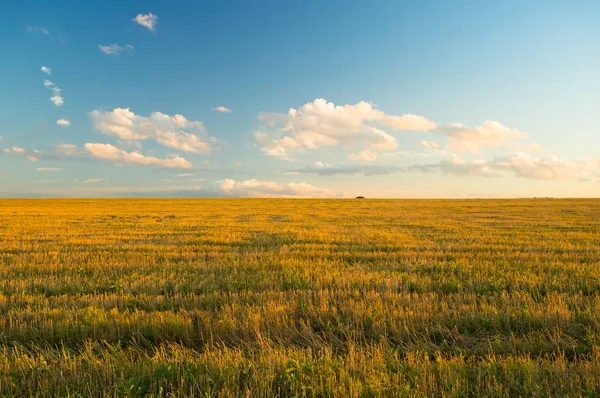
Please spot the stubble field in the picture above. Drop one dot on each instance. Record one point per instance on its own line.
(281, 297)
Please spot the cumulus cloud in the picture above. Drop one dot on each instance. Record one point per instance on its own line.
(221, 109)
(171, 131)
(63, 123)
(457, 166)
(14, 149)
(46, 70)
(263, 189)
(45, 169)
(186, 142)
(364, 130)
(489, 134)
(520, 164)
(548, 168)
(56, 98)
(120, 157)
(99, 151)
(147, 20)
(320, 124)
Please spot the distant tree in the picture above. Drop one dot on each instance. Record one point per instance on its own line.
(360, 197)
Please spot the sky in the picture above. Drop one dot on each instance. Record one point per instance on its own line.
(271, 98)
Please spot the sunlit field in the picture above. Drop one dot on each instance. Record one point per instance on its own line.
(276, 297)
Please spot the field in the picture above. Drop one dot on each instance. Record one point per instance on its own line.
(276, 297)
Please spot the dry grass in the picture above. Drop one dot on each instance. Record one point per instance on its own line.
(299, 298)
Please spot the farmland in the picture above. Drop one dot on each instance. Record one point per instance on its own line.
(286, 297)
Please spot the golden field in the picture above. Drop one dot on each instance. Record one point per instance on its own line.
(285, 297)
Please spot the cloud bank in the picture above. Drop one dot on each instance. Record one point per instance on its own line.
(320, 124)
(170, 131)
(266, 189)
(120, 157)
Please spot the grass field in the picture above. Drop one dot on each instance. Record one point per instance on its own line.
(286, 298)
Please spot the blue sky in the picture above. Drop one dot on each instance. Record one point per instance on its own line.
(317, 99)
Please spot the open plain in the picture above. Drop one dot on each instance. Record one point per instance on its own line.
(278, 297)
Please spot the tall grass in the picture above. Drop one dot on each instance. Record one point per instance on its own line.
(300, 298)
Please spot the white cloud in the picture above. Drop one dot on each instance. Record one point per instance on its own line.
(406, 122)
(93, 180)
(129, 47)
(549, 168)
(56, 98)
(63, 123)
(45, 181)
(519, 163)
(100, 151)
(221, 109)
(118, 156)
(490, 134)
(257, 188)
(361, 126)
(171, 131)
(457, 166)
(37, 29)
(320, 123)
(147, 20)
(45, 169)
(186, 142)
(185, 175)
(380, 140)
(113, 49)
(14, 150)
